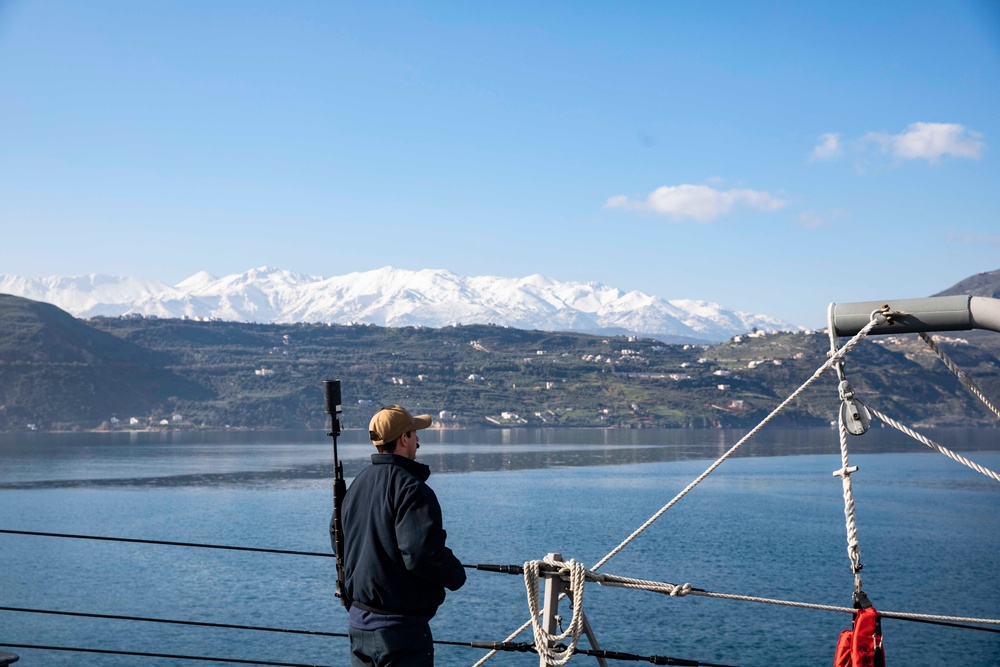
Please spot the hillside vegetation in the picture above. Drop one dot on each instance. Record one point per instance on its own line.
(57, 372)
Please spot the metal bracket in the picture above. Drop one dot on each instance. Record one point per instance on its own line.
(554, 588)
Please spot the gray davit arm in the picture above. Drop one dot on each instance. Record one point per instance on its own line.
(936, 313)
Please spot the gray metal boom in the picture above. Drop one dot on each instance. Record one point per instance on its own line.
(936, 313)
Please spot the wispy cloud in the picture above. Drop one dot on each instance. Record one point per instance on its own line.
(812, 219)
(976, 239)
(828, 147)
(919, 141)
(931, 141)
(697, 202)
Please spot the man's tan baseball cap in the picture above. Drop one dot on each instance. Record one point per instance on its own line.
(393, 421)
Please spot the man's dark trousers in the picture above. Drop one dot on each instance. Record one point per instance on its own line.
(395, 646)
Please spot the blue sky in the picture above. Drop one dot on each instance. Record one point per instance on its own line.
(769, 156)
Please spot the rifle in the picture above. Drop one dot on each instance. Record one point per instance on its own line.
(331, 391)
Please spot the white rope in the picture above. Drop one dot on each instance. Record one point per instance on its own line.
(933, 445)
(682, 590)
(959, 373)
(545, 641)
(845, 472)
(834, 358)
(578, 575)
(673, 590)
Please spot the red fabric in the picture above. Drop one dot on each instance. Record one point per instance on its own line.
(843, 656)
(862, 646)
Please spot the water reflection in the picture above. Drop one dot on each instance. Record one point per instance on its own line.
(165, 459)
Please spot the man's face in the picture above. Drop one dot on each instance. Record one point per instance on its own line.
(408, 444)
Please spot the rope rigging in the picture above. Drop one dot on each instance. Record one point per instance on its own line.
(933, 445)
(545, 641)
(683, 590)
(959, 373)
(542, 638)
(854, 418)
(835, 358)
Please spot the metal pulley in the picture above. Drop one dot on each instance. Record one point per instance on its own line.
(853, 414)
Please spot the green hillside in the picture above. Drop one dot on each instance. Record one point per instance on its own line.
(59, 372)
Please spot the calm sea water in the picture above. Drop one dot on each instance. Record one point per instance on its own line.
(769, 523)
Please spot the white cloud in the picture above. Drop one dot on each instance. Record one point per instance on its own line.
(920, 141)
(697, 202)
(931, 141)
(618, 201)
(828, 147)
(812, 219)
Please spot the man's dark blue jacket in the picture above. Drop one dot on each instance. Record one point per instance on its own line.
(395, 558)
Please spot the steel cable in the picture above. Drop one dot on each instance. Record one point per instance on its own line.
(168, 543)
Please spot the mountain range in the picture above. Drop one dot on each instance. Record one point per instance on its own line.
(58, 372)
(396, 298)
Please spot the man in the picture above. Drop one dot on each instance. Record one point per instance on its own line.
(396, 564)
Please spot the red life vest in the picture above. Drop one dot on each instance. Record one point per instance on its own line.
(861, 646)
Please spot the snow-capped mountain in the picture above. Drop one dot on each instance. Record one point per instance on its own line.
(395, 297)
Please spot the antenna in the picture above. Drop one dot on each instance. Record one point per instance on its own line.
(332, 407)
